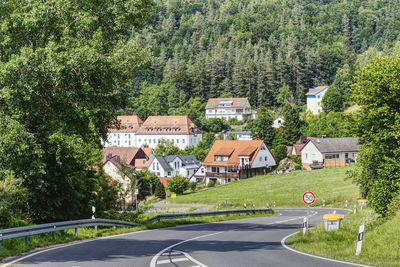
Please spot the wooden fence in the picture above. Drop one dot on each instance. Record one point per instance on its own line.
(334, 163)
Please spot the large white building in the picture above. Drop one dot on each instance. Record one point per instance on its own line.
(125, 134)
(314, 99)
(178, 129)
(132, 132)
(228, 108)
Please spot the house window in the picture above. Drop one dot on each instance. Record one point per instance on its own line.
(183, 140)
(260, 158)
(118, 136)
(213, 169)
(158, 173)
(154, 167)
(266, 158)
(157, 166)
(187, 172)
(177, 141)
(202, 170)
(169, 173)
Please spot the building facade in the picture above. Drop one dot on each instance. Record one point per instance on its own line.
(314, 99)
(125, 134)
(178, 129)
(229, 108)
(230, 160)
(173, 165)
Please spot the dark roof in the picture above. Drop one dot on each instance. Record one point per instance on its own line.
(164, 164)
(186, 160)
(330, 145)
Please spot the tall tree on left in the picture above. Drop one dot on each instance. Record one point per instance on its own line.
(63, 67)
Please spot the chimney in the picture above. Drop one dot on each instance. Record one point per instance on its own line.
(318, 141)
(118, 159)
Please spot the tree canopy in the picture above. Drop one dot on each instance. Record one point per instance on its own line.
(377, 92)
(63, 66)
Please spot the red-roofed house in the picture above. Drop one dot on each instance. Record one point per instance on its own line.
(314, 99)
(124, 134)
(178, 129)
(230, 160)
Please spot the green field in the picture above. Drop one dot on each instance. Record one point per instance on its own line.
(380, 245)
(285, 189)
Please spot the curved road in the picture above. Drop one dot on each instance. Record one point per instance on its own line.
(246, 242)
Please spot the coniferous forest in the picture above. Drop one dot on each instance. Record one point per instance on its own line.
(268, 50)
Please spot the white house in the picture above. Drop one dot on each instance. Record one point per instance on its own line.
(173, 165)
(178, 129)
(240, 135)
(277, 123)
(319, 149)
(112, 167)
(230, 160)
(125, 134)
(199, 175)
(314, 99)
(228, 108)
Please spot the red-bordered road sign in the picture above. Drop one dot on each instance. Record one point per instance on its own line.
(308, 198)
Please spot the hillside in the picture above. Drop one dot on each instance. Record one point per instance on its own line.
(267, 50)
(286, 189)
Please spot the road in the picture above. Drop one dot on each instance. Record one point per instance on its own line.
(246, 242)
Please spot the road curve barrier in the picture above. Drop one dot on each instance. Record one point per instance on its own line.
(210, 213)
(58, 226)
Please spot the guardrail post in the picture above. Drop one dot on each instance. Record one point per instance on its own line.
(1, 238)
(76, 231)
(26, 240)
(53, 234)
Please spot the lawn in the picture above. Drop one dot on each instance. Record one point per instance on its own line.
(285, 189)
(380, 245)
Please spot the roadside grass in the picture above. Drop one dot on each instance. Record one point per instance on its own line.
(16, 246)
(381, 244)
(285, 189)
(172, 209)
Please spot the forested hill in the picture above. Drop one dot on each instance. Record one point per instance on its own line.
(263, 49)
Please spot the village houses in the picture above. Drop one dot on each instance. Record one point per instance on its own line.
(132, 132)
(314, 99)
(173, 165)
(229, 108)
(230, 160)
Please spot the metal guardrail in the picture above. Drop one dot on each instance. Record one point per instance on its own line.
(58, 226)
(200, 214)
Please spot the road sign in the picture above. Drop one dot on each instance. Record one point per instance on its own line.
(173, 195)
(308, 198)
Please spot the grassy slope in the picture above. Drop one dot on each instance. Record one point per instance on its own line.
(380, 245)
(286, 189)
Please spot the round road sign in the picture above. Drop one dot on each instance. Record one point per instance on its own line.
(308, 198)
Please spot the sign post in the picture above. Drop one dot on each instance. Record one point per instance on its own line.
(360, 239)
(308, 199)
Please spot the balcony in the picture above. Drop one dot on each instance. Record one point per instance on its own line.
(228, 175)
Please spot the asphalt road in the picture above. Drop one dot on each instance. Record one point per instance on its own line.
(247, 242)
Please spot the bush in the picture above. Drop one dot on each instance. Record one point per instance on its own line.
(298, 167)
(280, 152)
(193, 186)
(13, 201)
(234, 121)
(160, 190)
(178, 184)
(295, 158)
(211, 183)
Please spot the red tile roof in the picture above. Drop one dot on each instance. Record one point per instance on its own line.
(142, 163)
(317, 90)
(147, 150)
(240, 148)
(162, 125)
(128, 123)
(126, 154)
(164, 180)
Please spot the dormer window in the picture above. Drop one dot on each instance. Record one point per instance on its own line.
(221, 158)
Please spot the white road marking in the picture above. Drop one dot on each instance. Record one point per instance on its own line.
(153, 262)
(172, 260)
(283, 241)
